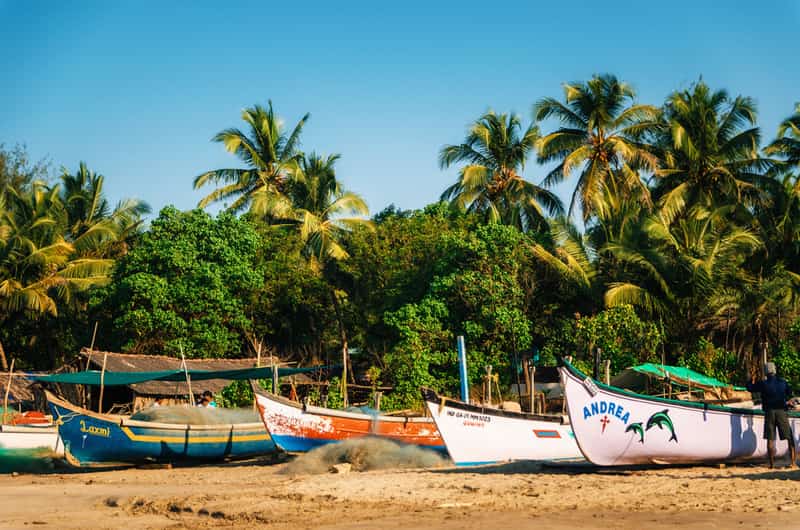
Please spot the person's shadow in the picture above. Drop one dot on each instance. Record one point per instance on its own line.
(744, 441)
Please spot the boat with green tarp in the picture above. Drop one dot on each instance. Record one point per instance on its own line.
(95, 439)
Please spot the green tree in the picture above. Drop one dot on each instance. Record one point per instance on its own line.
(186, 285)
(478, 292)
(491, 184)
(17, 171)
(270, 153)
(603, 138)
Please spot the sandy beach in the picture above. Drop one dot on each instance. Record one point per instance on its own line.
(519, 495)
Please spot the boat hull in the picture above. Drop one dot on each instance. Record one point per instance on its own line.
(617, 427)
(477, 435)
(31, 437)
(95, 439)
(296, 429)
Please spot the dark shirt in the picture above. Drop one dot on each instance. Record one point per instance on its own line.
(774, 392)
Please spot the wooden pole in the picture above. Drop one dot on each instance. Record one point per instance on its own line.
(102, 384)
(8, 390)
(275, 385)
(532, 389)
(188, 378)
(91, 346)
(377, 404)
(344, 374)
(526, 371)
(489, 384)
(258, 365)
(608, 371)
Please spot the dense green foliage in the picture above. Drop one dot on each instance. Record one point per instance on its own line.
(184, 286)
(687, 250)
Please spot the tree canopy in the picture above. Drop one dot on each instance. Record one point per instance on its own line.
(681, 243)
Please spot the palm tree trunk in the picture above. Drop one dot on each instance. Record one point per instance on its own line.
(3, 360)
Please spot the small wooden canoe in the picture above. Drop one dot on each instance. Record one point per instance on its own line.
(616, 427)
(298, 428)
(477, 435)
(92, 439)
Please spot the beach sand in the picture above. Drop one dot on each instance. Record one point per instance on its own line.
(520, 495)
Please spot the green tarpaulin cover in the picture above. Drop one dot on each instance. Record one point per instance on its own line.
(92, 377)
(680, 374)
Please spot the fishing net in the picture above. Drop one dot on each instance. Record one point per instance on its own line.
(36, 460)
(365, 454)
(197, 415)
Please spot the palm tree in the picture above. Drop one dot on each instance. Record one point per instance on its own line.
(574, 261)
(38, 267)
(321, 209)
(787, 143)
(602, 137)
(91, 223)
(682, 262)
(271, 155)
(709, 149)
(490, 184)
(323, 213)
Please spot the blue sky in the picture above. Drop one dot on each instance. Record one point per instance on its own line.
(137, 89)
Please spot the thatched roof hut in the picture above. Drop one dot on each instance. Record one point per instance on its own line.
(20, 391)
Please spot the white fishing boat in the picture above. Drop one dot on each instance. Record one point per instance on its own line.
(31, 437)
(617, 427)
(476, 435)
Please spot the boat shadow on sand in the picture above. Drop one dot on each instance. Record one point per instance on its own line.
(757, 471)
(60, 467)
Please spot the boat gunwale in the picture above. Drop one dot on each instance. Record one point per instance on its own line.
(432, 396)
(322, 411)
(695, 405)
(29, 429)
(125, 421)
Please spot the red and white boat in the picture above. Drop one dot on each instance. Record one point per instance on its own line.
(299, 428)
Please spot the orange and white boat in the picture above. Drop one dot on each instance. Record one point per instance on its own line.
(295, 427)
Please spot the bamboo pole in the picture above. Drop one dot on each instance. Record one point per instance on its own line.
(188, 378)
(85, 393)
(489, 383)
(258, 365)
(526, 370)
(102, 384)
(91, 346)
(344, 375)
(8, 390)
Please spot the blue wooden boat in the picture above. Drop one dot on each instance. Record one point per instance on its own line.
(92, 439)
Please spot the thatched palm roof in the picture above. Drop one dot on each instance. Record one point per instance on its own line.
(129, 362)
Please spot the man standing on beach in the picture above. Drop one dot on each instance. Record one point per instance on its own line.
(775, 395)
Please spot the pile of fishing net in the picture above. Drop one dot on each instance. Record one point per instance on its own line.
(184, 415)
(365, 454)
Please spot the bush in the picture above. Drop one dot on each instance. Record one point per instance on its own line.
(712, 361)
